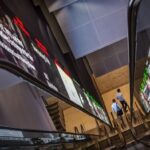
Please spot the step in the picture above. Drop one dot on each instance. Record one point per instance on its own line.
(104, 144)
(128, 135)
(115, 140)
(53, 108)
(140, 129)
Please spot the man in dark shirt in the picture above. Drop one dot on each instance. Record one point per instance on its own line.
(122, 100)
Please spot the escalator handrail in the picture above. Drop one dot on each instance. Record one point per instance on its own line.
(40, 140)
(44, 131)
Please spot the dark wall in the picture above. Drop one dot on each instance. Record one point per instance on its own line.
(109, 58)
(22, 107)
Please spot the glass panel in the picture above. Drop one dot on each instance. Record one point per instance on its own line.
(142, 75)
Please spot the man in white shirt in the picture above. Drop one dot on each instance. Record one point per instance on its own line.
(122, 100)
(116, 108)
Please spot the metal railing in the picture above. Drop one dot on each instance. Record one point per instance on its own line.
(10, 137)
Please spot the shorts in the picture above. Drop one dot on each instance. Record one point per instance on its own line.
(120, 112)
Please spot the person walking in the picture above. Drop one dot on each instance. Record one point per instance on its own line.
(116, 108)
(122, 100)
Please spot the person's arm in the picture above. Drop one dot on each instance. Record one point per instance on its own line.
(117, 96)
(113, 110)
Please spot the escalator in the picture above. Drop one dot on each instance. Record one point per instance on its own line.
(139, 62)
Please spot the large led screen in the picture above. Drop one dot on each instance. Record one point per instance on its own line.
(28, 55)
(19, 48)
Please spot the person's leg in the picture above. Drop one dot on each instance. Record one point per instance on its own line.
(122, 121)
(126, 105)
(123, 106)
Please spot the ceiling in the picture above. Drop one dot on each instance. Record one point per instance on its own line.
(90, 25)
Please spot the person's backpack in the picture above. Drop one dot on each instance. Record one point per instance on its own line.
(119, 110)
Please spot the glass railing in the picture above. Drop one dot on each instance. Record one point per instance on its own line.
(10, 137)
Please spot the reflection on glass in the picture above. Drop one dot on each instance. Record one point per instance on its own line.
(142, 72)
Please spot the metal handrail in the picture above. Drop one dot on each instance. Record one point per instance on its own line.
(42, 131)
(48, 138)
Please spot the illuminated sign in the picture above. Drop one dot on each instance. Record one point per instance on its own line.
(18, 47)
(14, 46)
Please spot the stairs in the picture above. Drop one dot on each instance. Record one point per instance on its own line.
(56, 114)
(104, 144)
(128, 136)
